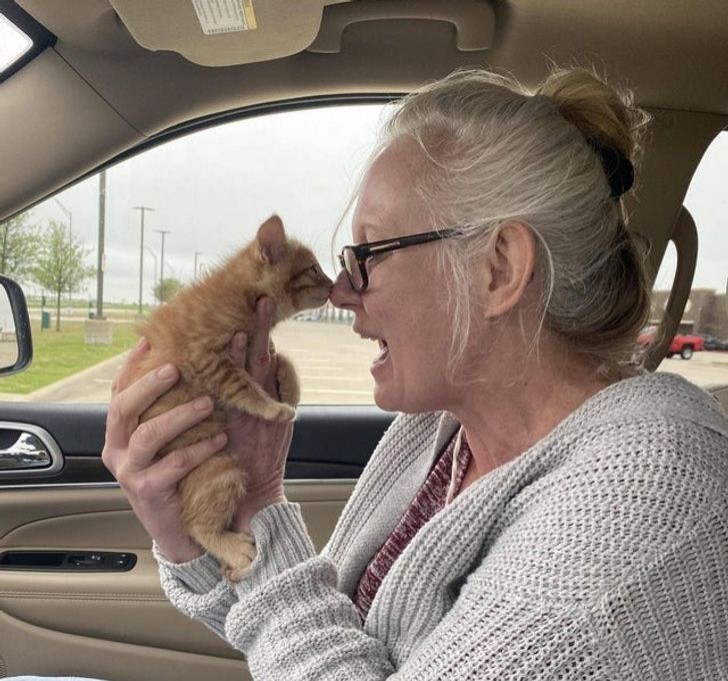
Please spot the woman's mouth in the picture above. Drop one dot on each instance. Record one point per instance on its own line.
(382, 357)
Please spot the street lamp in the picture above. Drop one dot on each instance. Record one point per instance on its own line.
(163, 232)
(143, 210)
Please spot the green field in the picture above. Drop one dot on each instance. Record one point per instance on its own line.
(57, 355)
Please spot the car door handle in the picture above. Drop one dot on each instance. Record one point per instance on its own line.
(27, 449)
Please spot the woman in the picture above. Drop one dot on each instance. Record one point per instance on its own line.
(541, 509)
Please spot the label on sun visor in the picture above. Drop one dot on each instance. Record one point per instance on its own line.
(225, 16)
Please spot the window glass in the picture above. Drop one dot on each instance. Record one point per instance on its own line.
(199, 198)
(203, 195)
(700, 350)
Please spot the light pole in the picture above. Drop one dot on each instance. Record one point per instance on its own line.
(154, 255)
(69, 215)
(163, 232)
(196, 254)
(143, 210)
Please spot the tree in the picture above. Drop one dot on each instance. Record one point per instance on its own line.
(165, 290)
(59, 264)
(18, 246)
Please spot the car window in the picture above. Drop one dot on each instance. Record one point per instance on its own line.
(203, 195)
(197, 198)
(700, 350)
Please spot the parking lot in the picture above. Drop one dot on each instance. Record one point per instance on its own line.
(333, 365)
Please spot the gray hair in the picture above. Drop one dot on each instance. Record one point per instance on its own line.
(499, 153)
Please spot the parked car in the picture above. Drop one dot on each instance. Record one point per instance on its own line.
(682, 344)
(713, 343)
(241, 123)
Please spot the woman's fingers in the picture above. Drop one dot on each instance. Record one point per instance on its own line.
(238, 349)
(151, 436)
(271, 382)
(175, 465)
(121, 380)
(128, 405)
(259, 356)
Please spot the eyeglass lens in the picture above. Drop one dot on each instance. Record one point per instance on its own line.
(352, 269)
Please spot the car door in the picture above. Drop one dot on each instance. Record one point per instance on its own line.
(79, 592)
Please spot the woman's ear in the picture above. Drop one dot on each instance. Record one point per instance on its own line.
(508, 267)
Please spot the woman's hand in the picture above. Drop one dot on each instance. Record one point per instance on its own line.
(260, 446)
(131, 449)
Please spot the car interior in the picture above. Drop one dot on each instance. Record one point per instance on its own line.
(107, 81)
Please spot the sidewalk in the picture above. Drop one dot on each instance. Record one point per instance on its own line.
(90, 385)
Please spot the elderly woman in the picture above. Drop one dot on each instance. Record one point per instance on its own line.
(540, 509)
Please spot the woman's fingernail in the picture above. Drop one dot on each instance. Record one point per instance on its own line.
(166, 372)
(268, 306)
(240, 341)
(202, 403)
(142, 343)
(219, 439)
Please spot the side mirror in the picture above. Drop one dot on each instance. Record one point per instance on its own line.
(16, 345)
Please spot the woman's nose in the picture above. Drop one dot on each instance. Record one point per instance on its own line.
(342, 294)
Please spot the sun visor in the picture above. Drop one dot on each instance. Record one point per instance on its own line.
(223, 32)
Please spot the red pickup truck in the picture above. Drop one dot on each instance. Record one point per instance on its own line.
(683, 344)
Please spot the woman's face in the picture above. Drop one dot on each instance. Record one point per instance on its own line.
(405, 305)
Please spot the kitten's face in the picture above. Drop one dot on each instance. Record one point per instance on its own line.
(308, 286)
(298, 282)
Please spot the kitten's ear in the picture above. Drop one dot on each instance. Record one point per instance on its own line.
(271, 240)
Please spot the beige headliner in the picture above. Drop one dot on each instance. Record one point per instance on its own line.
(98, 92)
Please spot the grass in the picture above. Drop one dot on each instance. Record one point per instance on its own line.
(58, 354)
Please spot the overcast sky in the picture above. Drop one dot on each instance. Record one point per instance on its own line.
(212, 189)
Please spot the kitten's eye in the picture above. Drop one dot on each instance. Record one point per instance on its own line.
(315, 270)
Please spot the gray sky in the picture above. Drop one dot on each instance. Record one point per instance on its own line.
(213, 188)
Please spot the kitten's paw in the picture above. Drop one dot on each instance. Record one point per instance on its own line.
(235, 574)
(279, 412)
(241, 567)
(287, 413)
(289, 389)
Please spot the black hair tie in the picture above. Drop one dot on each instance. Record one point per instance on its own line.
(617, 167)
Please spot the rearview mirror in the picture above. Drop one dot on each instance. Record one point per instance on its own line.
(16, 346)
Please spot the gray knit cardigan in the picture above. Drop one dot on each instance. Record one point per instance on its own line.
(599, 553)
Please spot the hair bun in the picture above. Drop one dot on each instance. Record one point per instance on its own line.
(606, 117)
(618, 169)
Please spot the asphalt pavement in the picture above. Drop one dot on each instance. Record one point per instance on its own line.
(333, 365)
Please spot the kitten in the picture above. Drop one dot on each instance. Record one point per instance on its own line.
(194, 331)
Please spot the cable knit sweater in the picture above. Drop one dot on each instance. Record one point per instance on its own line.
(599, 553)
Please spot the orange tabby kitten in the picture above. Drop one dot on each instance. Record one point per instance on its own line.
(193, 331)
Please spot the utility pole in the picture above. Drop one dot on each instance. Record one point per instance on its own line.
(163, 232)
(143, 210)
(101, 260)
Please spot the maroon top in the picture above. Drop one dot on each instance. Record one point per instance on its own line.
(429, 500)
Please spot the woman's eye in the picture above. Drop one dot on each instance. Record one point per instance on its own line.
(378, 257)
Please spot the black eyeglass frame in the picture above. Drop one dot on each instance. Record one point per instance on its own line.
(362, 252)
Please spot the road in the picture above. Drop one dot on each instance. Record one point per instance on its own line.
(333, 365)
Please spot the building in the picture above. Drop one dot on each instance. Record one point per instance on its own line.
(706, 312)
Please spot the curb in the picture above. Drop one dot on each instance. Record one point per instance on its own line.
(37, 395)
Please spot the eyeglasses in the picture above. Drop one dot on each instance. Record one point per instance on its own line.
(354, 258)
